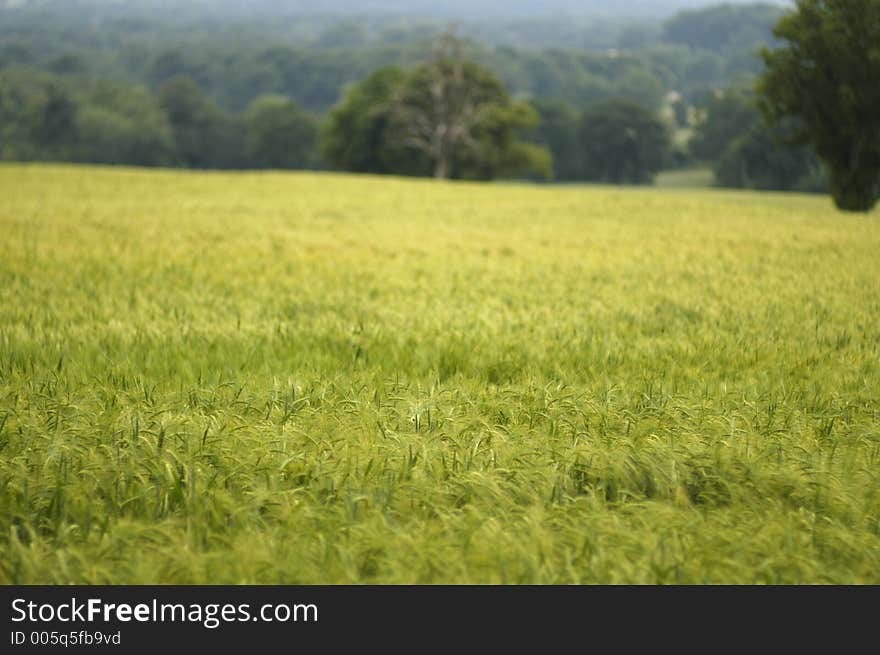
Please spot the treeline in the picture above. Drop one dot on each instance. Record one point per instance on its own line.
(620, 117)
(46, 117)
(310, 59)
(732, 137)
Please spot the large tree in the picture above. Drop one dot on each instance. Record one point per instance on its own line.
(826, 77)
(458, 115)
(356, 136)
(447, 117)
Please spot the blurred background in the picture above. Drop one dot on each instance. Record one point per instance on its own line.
(630, 92)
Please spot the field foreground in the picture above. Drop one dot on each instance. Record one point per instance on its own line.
(268, 378)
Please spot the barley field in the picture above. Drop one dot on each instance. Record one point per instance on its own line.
(315, 378)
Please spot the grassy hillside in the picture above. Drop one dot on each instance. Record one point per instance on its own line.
(267, 378)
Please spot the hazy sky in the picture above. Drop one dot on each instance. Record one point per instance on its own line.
(466, 8)
(459, 8)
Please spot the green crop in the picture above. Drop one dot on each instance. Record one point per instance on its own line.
(314, 378)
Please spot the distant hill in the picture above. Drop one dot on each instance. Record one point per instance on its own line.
(461, 9)
(469, 9)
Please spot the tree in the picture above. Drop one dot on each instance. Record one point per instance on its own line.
(356, 135)
(280, 134)
(447, 117)
(622, 143)
(460, 117)
(497, 150)
(826, 77)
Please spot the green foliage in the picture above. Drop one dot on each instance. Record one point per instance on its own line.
(557, 131)
(499, 153)
(615, 141)
(204, 136)
(440, 105)
(746, 153)
(53, 123)
(825, 76)
(312, 58)
(280, 134)
(119, 124)
(37, 117)
(638, 36)
(346, 33)
(725, 28)
(447, 118)
(756, 160)
(83, 119)
(622, 143)
(459, 115)
(356, 135)
(642, 87)
(727, 116)
(234, 59)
